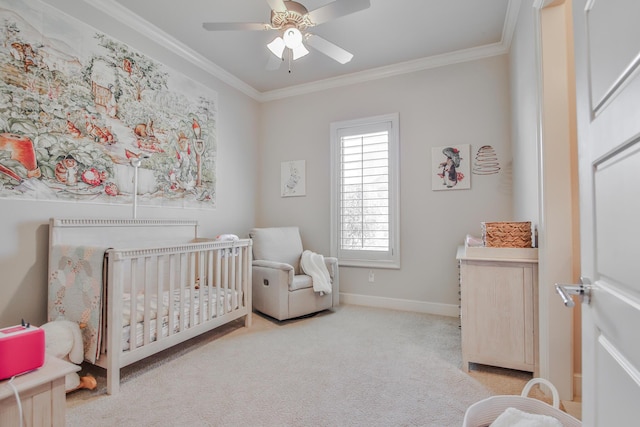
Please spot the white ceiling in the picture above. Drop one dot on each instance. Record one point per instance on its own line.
(390, 37)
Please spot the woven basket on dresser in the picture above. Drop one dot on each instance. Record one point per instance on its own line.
(506, 234)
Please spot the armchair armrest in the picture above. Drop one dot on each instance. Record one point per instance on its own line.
(332, 266)
(277, 266)
(272, 264)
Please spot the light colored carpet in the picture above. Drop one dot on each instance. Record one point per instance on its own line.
(355, 366)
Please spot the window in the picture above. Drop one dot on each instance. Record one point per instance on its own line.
(365, 192)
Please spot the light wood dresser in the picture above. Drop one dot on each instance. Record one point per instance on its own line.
(42, 395)
(499, 307)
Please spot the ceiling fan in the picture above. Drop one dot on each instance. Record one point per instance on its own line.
(292, 19)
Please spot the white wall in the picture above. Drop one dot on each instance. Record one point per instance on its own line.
(24, 225)
(466, 103)
(525, 117)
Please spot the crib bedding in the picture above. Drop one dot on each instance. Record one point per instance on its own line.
(232, 298)
(75, 285)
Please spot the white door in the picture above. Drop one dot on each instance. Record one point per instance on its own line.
(607, 48)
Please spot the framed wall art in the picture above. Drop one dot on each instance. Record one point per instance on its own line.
(292, 178)
(450, 166)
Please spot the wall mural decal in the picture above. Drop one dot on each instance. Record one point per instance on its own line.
(77, 106)
(450, 166)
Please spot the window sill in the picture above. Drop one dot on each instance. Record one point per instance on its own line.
(391, 265)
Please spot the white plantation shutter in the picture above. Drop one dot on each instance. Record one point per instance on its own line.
(364, 192)
(365, 183)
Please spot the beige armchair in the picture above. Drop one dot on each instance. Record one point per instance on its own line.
(280, 287)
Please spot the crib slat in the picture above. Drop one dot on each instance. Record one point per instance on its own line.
(225, 281)
(246, 278)
(242, 295)
(210, 313)
(133, 300)
(201, 284)
(234, 287)
(241, 282)
(146, 317)
(172, 286)
(192, 293)
(238, 288)
(183, 279)
(159, 297)
(218, 281)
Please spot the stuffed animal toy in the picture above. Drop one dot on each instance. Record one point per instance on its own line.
(63, 340)
(227, 237)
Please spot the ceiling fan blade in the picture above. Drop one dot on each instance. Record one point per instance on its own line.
(329, 49)
(337, 9)
(277, 5)
(235, 26)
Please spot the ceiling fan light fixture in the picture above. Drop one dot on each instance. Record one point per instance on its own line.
(277, 47)
(292, 37)
(293, 20)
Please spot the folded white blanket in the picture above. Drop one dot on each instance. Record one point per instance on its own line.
(513, 417)
(313, 265)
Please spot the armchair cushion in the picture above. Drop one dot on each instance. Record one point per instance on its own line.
(282, 244)
(301, 281)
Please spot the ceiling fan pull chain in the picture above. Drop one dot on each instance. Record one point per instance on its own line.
(289, 60)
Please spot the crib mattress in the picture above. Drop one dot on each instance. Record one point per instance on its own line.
(180, 322)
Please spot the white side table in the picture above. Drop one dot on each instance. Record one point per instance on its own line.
(42, 395)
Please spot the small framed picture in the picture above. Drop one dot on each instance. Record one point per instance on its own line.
(292, 178)
(450, 166)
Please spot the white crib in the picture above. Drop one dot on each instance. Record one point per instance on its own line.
(161, 285)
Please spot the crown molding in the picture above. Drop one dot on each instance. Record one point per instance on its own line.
(145, 28)
(388, 71)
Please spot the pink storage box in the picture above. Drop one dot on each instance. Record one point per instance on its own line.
(21, 350)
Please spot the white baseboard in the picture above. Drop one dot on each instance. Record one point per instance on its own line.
(401, 304)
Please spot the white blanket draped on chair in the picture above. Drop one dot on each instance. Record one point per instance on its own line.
(313, 265)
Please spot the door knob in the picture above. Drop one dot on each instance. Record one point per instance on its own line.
(583, 290)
